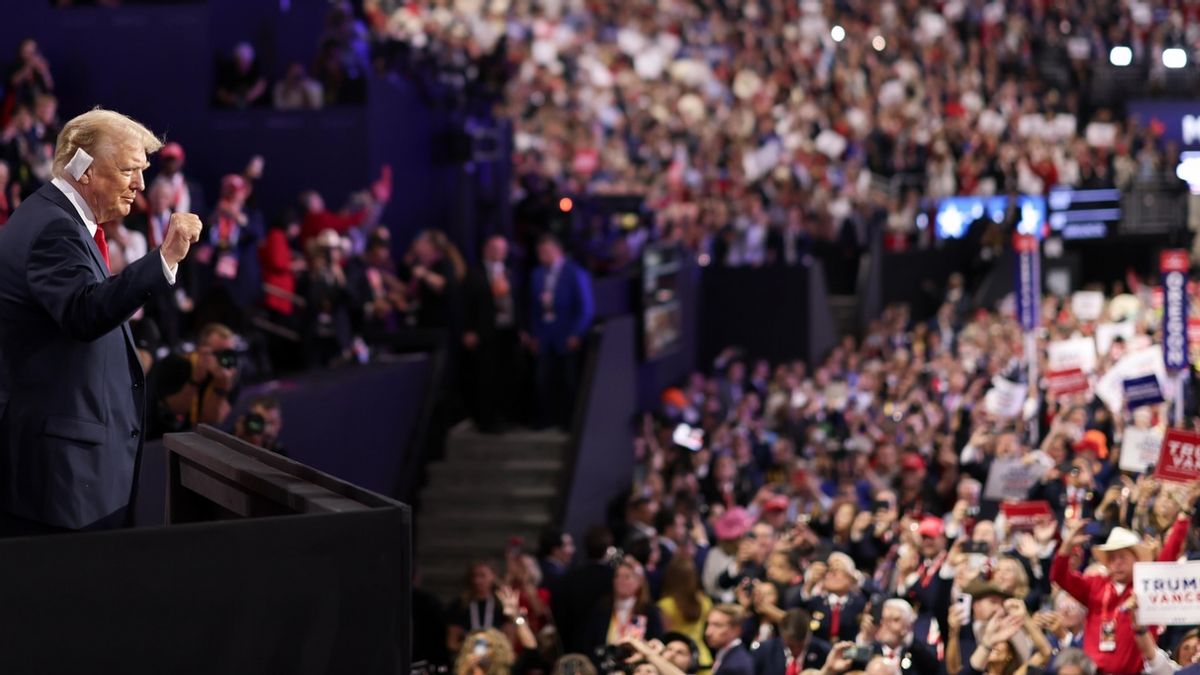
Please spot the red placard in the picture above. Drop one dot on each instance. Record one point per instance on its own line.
(1179, 459)
(1063, 382)
(1025, 515)
(1173, 260)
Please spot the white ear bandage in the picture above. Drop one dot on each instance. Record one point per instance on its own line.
(79, 163)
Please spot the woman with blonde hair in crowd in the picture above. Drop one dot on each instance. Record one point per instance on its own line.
(485, 652)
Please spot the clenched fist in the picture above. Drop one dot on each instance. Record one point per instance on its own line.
(182, 232)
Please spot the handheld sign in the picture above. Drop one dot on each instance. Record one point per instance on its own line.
(1142, 391)
(1023, 516)
(1064, 382)
(1139, 448)
(1168, 593)
(1174, 266)
(1179, 458)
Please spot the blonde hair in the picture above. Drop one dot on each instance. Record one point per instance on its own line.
(502, 657)
(96, 128)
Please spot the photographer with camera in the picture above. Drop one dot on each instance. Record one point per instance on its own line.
(196, 388)
(890, 634)
(261, 423)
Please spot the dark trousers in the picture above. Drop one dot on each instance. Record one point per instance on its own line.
(493, 373)
(557, 381)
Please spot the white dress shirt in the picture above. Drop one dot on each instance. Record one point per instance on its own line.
(85, 212)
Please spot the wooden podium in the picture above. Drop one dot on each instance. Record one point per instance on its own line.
(265, 566)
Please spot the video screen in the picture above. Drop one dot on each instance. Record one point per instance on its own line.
(955, 215)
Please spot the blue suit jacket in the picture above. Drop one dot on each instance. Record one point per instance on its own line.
(737, 662)
(72, 392)
(573, 305)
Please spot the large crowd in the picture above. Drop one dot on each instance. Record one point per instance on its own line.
(757, 130)
(864, 513)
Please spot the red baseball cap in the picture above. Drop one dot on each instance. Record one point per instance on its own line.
(912, 462)
(172, 150)
(931, 526)
(776, 503)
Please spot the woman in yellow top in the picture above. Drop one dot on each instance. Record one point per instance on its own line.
(684, 606)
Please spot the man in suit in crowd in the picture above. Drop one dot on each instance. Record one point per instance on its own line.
(490, 336)
(72, 389)
(722, 635)
(893, 639)
(794, 650)
(561, 312)
(836, 611)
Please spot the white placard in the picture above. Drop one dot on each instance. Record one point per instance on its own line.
(1005, 398)
(1087, 305)
(1168, 593)
(1011, 478)
(1139, 448)
(1111, 387)
(1074, 353)
(1107, 333)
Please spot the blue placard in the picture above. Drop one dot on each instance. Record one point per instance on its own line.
(1028, 282)
(1142, 391)
(1174, 267)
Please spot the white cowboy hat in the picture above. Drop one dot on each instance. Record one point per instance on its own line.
(1121, 538)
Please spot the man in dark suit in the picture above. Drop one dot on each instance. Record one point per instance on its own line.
(794, 650)
(490, 337)
(893, 640)
(72, 389)
(836, 611)
(1070, 492)
(722, 635)
(561, 312)
(576, 593)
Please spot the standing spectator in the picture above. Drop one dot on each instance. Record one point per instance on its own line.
(226, 275)
(435, 271)
(28, 78)
(186, 195)
(477, 609)
(490, 336)
(328, 331)
(556, 549)
(379, 292)
(837, 610)
(722, 633)
(164, 310)
(317, 218)
(240, 83)
(627, 612)
(893, 639)
(298, 91)
(684, 605)
(574, 596)
(125, 246)
(10, 193)
(561, 312)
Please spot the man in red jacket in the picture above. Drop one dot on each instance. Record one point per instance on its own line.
(1108, 633)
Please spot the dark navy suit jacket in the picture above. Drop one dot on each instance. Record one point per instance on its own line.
(72, 392)
(573, 307)
(737, 662)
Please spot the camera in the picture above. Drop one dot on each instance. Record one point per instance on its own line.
(612, 658)
(859, 654)
(226, 358)
(254, 423)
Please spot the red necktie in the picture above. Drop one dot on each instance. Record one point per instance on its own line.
(793, 668)
(835, 616)
(100, 241)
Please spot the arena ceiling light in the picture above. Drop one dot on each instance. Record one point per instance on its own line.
(1174, 58)
(1120, 56)
(838, 33)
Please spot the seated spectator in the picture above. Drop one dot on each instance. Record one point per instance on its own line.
(195, 388)
(298, 91)
(240, 83)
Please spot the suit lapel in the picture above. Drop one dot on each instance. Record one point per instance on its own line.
(50, 192)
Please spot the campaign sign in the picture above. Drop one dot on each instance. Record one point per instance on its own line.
(1179, 457)
(1174, 267)
(1168, 593)
(1087, 305)
(1139, 448)
(1028, 281)
(1010, 478)
(1023, 516)
(1142, 391)
(1073, 353)
(1065, 382)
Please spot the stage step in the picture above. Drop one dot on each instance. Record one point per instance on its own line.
(488, 489)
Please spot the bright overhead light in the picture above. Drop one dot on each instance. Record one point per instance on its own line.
(1120, 56)
(1174, 57)
(878, 43)
(838, 33)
